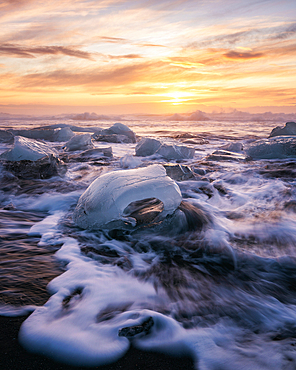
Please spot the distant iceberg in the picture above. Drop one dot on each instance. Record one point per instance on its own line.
(107, 199)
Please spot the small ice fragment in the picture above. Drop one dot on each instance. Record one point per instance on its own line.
(148, 146)
(108, 196)
(79, 142)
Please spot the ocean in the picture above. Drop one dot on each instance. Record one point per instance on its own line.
(212, 278)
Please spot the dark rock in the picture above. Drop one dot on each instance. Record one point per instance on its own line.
(179, 172)
(195, 217)
(67, 300)
(144, 211)
(112, 138)
(131, 331)
(43, 168)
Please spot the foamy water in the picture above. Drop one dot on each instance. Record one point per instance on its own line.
(223, 293)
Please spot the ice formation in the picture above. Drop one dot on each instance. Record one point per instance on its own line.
(288, 130)
(175, 151)
(49, 134)
(118, 133)
(148, 146)
(121, 129)
(273, 148)
(106, 199)
(27, 149)
(79, 142)
(236, 147)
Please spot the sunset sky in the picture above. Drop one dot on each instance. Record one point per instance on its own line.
(147, 56)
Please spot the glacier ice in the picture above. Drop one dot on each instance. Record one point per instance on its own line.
(121, 129)
(49, 134)
(288, 130)
(79, 142)
(273, 148)
(106, 199)
(175, 151)
(148, 146)
(27, 149)
(118, 133)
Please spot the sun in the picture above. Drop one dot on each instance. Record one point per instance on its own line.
(176, 97)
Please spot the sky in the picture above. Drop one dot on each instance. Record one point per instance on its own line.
(150, 56)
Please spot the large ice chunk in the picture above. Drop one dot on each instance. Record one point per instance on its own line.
(79, 142)
(27, 149)
(106, 199)
(288, 130)
(273, 148)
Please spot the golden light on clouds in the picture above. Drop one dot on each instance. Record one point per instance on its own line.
(163, 54)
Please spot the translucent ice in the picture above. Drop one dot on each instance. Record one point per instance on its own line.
(79, 142)
(27, 149)
(49, 134)
(273, 148)
(148, 146)
(106, 199)
(289, 130)
(121, 129)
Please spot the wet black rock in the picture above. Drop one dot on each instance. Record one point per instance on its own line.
(144, 211)
(43, 168)
(131, 331)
